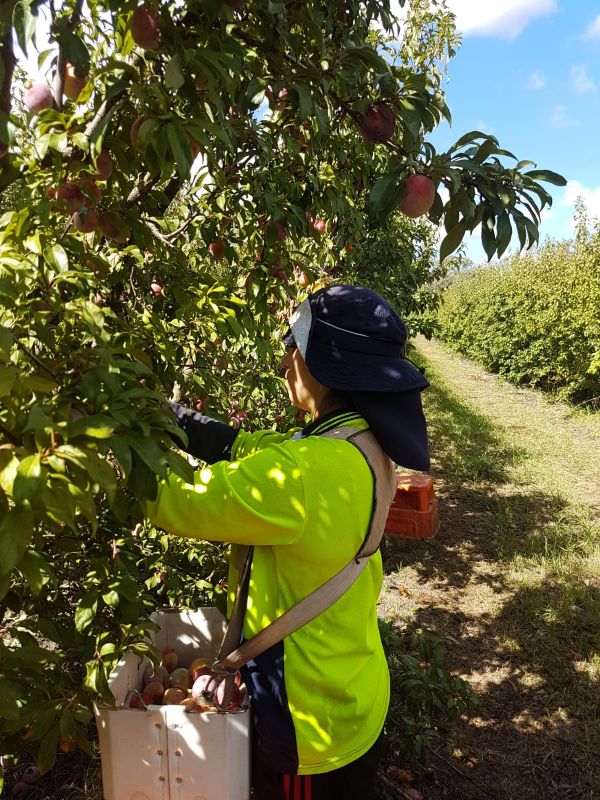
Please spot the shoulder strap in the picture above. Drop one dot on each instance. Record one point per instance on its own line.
(229, 659)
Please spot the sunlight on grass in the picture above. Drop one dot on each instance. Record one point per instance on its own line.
(521, 477)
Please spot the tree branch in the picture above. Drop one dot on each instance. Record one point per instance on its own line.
(10, 436)
(34, 358)
(8, 61)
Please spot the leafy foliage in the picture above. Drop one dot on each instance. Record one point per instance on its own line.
(426, 697)
(157, 224)
(534, 318)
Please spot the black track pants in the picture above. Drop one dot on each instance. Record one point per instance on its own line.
(353, 782)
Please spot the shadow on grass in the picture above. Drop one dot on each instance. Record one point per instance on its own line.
(482, 515)
(536, 732)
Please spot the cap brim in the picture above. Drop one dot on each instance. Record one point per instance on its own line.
(398, 423)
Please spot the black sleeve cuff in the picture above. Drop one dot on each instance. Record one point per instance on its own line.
(208, 439)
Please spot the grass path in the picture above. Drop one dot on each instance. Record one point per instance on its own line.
(512, 582)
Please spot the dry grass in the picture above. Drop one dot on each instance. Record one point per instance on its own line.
(512, 582)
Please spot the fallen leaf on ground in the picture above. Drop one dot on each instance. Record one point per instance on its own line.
(398, 774)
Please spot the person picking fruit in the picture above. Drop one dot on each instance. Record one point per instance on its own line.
(305, 502)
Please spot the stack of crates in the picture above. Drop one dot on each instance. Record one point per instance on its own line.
(414, 513)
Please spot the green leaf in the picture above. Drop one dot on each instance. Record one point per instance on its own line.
(180, 146)
(471, 136)
(452, 239)
(16, 531)
(5, 583)
(97, 427)
(8, 376)
(47, 753)
(6, 342)
(73, 46)
(385, 195)
(122, 453)
(86, 611)
(305, 103)
(24, 23)
(56, 256)
(504, 232)
(9, 697)
(36, 571)
(39, 383)
(29, 479)
(174, 78)
(547, 176)
(150, 453)
(180, 466)
(488, 240)
(96, 467)
(9, 464)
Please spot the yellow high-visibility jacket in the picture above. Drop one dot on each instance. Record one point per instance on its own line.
(319, 697)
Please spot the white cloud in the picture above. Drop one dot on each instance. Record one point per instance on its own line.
(591, 198)
(560, 118)
(481, 125)
(537, 80)
(581, 80)
(593, 29)
(506, 19)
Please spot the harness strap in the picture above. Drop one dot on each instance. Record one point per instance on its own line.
(230, 658)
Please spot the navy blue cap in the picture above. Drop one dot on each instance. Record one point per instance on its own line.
(353, 341)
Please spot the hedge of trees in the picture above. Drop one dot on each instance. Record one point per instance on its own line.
(534, 318)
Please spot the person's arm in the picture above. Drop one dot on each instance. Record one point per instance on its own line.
(208, 439)
(258, 500)
(212, 441)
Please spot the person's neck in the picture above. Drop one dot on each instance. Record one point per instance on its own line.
(326, 408)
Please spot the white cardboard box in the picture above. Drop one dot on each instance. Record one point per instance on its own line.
(164, 753)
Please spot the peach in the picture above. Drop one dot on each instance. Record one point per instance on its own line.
(113, 227)
(216, 249)
(104, 165)
(90, 190)
(69, 195)
(418, 197)
(194, 146)
(378, 124)
(204, 683)
(160, 674)
(145, 28)
(138, 700)
(135, 131)
(155, 690)
(180, 678)
(174, 696)
(318, 225)
(38, 97)
(85, 220)
(169, 659)
(279, 102)
(74, 84)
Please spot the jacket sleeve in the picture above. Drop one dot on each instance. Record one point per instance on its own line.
(257, 500)
(248, 442)
(208, 439)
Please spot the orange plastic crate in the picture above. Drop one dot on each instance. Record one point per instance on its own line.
(414, 513)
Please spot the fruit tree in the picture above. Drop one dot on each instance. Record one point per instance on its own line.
(179, 176)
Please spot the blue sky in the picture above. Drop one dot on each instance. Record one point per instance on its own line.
(528, 72)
